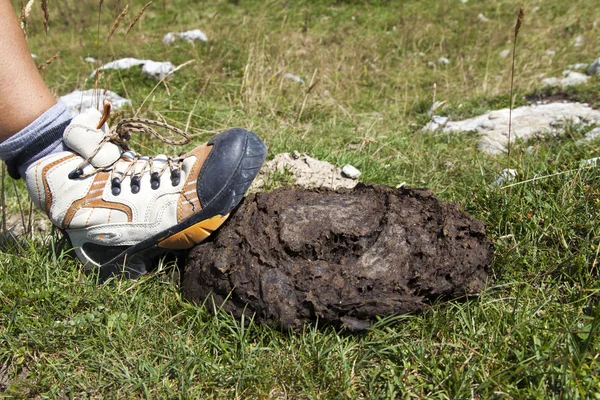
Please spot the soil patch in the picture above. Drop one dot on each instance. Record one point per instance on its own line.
(343, 256)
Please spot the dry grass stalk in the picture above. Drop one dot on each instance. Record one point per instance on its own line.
(117, 22)
(25, 11)
(43, 65)
(520, 19)
(137, 17)
(46, 15)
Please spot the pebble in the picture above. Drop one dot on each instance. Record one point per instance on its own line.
(505, 53)
(506, 175)
(293, 77)
(483, 18)
(578, 66)
(190, 36)
(443, 60)
(591, 135)
(90, 60)
(579, 41)
(350, 172)
(594, 68)
(570, 78)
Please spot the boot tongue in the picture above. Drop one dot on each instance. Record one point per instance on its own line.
(83, 137)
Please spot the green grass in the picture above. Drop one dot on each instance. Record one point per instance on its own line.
(532, 333)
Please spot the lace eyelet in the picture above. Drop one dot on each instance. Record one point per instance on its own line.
(154, 181)
(135, 184)
(175, 177)
(115, 186)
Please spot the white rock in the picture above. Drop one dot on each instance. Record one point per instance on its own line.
(590, 161)
(527, 123)
(90, 60)
(435, 106)
(350, 172)
(570, 78)
(293, 77)
(441, 121)
(154, 69)
(78, 101)
(464, 1)
(579, 41)
(483, 18)
(305, 170)
(594, 68)
(578, 66)
(506, 175)
(157, 70)
(169, 38)
(591, 135)
(123, 63)
(33, 56)
(505, 53)
(436, 123)
(550, 52)
(190, 36)
(443, 60)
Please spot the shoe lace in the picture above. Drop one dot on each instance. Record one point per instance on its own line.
(120, 135)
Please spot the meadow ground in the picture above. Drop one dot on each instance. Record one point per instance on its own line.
(532, 333)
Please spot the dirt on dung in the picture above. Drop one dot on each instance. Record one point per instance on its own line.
(342, 256)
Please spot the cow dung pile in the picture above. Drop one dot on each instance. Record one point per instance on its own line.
(344, 256)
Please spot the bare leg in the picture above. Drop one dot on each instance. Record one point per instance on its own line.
(23, 94)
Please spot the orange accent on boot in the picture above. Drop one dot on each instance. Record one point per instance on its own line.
(189, 203)
(193, 235)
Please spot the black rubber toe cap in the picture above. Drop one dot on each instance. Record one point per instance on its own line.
(230, 168)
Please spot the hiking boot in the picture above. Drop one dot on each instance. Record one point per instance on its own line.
(120, 210)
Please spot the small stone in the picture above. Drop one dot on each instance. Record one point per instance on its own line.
(506, 175)
(90, 60)
(550, 52)
(190, 36)
(443, 60)
(570, 78)
(293, 77)
(594, 68)
(505, 53)
(434, 106)
(441, 121)
(579, 41)
(590, 161)
(33, 56)
(591, 135)
(350, 172)
(483, 18)
(578, 66)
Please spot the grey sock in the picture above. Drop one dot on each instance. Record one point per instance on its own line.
(40, 138)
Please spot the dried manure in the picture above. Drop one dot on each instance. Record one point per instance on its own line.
(343, 256)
